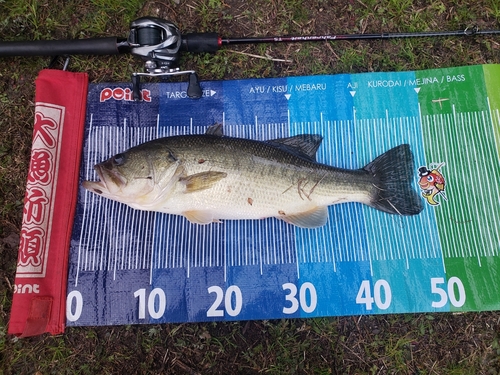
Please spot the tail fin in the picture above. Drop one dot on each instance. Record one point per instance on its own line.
(393, 174)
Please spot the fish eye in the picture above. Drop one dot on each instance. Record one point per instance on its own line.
(119, 159)
(430, 178)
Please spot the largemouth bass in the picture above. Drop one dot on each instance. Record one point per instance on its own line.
(210, 177)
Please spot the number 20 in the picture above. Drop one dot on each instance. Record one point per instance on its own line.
(232, 291)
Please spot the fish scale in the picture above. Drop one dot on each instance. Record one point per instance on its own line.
(265, 170)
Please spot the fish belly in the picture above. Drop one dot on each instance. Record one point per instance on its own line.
(265, 192)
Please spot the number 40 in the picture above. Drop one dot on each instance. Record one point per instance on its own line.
(365, 294)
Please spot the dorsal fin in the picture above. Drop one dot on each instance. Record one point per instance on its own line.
(215, 129)
(304, 145)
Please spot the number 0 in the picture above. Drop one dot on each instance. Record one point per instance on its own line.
(157, 313)
(451, 291)
(74, 296)
(233, 290)
(382, 284)
(313, 301)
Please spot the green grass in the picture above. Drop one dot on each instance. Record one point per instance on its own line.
(394, 344)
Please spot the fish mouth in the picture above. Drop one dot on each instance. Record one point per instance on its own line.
(425, 186)
(110, 181)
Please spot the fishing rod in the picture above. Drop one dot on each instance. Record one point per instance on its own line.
(317, 38)
(159, 43)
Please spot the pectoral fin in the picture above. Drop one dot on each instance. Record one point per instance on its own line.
(201, 181)
(199, 217)
(315, 218)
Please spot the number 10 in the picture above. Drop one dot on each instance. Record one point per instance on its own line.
(155, 312)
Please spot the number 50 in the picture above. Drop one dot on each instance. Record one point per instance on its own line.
(457, 301)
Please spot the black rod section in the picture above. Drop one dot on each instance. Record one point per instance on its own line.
(94, 46)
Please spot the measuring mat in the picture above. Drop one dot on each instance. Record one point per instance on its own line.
(129, 266)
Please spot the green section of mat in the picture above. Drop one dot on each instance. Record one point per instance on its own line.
(459, 133)
(492, 80)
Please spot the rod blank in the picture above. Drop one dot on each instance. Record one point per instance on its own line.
(317, 38)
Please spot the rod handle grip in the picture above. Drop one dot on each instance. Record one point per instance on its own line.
(95, 46)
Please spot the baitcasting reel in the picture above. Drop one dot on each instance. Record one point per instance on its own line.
(158, 43)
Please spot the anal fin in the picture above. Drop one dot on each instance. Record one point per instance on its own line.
(315, 218)
(200, 217)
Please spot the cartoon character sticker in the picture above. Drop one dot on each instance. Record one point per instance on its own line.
(432, 183)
